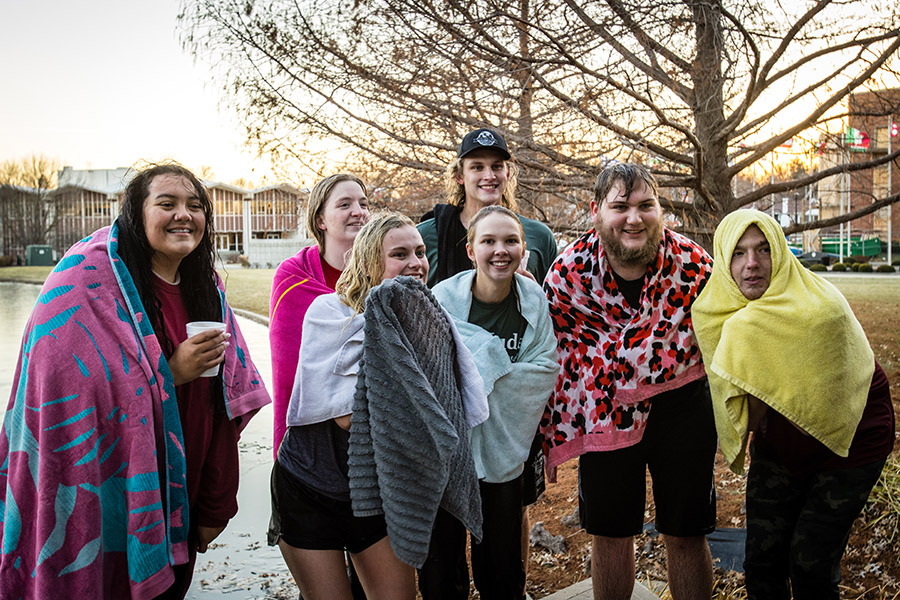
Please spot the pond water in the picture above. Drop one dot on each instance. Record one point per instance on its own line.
(239, 564)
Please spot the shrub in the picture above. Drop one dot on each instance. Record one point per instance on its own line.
(896, 262)
(818, 267)
(865, 268)
(7, 260)
(229, 257)
(838, 267)
(854, 266)
(885, 269)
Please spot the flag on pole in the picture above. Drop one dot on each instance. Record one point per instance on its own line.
(787, 143)
(856, 140)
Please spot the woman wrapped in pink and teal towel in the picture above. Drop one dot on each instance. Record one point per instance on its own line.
(119, 461)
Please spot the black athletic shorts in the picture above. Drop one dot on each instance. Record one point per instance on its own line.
(306, 519)
(679, 448)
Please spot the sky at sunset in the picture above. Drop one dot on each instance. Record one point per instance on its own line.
(104, 83)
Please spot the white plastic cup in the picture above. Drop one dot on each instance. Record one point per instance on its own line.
(195, 327)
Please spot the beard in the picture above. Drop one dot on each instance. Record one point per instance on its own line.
(640, 256)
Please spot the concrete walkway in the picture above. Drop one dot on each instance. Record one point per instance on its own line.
(582, 591)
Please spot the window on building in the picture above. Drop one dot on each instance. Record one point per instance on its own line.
(880, 181)
(881, 137)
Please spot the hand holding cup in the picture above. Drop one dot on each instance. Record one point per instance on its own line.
(201, 353)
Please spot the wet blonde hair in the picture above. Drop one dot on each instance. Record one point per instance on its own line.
(317, 199)
(365, 268)
(456, 192)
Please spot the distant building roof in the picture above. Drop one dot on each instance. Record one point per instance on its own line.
(108, 192)
(223, 186)
(280, 186)
(112, 182)
(106, 181)
(21, 188)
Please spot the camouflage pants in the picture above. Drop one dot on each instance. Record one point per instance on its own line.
(798, 527)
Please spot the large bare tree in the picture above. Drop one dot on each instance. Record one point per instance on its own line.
(700, 90)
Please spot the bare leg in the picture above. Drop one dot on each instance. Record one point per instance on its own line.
(320, 574)
(689, 567)
(383, 575)
(612, 567)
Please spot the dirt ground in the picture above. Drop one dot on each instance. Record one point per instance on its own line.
(871, 565)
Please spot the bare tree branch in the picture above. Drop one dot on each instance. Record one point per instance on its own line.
(703, 91)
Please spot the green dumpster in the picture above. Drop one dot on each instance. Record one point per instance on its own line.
(39, 255)
(870, 246)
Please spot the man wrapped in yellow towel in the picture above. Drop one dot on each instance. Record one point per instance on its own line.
(788, 361)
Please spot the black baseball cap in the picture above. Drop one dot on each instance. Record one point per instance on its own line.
(483, 138)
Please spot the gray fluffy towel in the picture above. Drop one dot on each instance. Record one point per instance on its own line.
(409, 448)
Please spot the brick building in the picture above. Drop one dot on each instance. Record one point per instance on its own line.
(873, 115)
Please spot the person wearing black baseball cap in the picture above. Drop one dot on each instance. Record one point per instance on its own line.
(482, 174)
(481, 139)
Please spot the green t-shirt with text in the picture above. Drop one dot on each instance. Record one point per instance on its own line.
(503, 319)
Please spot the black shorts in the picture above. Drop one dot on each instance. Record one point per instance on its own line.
(306, 519)
(679, 448)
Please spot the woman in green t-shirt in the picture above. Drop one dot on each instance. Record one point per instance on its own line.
(504, 320)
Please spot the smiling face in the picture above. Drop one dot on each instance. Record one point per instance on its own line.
(403, 253)
(484, 177)
(751, 263)
(497, 247)
(174, 221)
(630, 228)
(344, 213)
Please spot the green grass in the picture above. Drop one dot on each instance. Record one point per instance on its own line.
(247, 289)
(884, 501)
(882, 288)
(25, 274)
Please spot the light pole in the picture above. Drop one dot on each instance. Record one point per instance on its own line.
(890, 166)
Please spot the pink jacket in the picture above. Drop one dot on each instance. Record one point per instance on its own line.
(298, 281)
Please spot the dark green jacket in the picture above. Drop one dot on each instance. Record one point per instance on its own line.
(539, 241)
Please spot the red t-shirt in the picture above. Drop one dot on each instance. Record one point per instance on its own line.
(331, 274)
(779, 440)
(210, 438)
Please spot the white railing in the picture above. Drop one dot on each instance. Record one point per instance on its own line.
(267, 254)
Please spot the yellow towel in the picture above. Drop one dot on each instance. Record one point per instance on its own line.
(798, 348)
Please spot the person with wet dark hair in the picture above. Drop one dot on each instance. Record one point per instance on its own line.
(114, 406)
(631, 393)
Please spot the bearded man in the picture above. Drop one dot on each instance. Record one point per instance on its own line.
(632, 392)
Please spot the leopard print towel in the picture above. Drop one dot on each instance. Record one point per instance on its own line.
(614, 358)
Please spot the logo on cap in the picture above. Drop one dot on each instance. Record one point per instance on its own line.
(486, 138)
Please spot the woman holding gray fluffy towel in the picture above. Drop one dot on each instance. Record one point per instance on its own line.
(311, 488)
